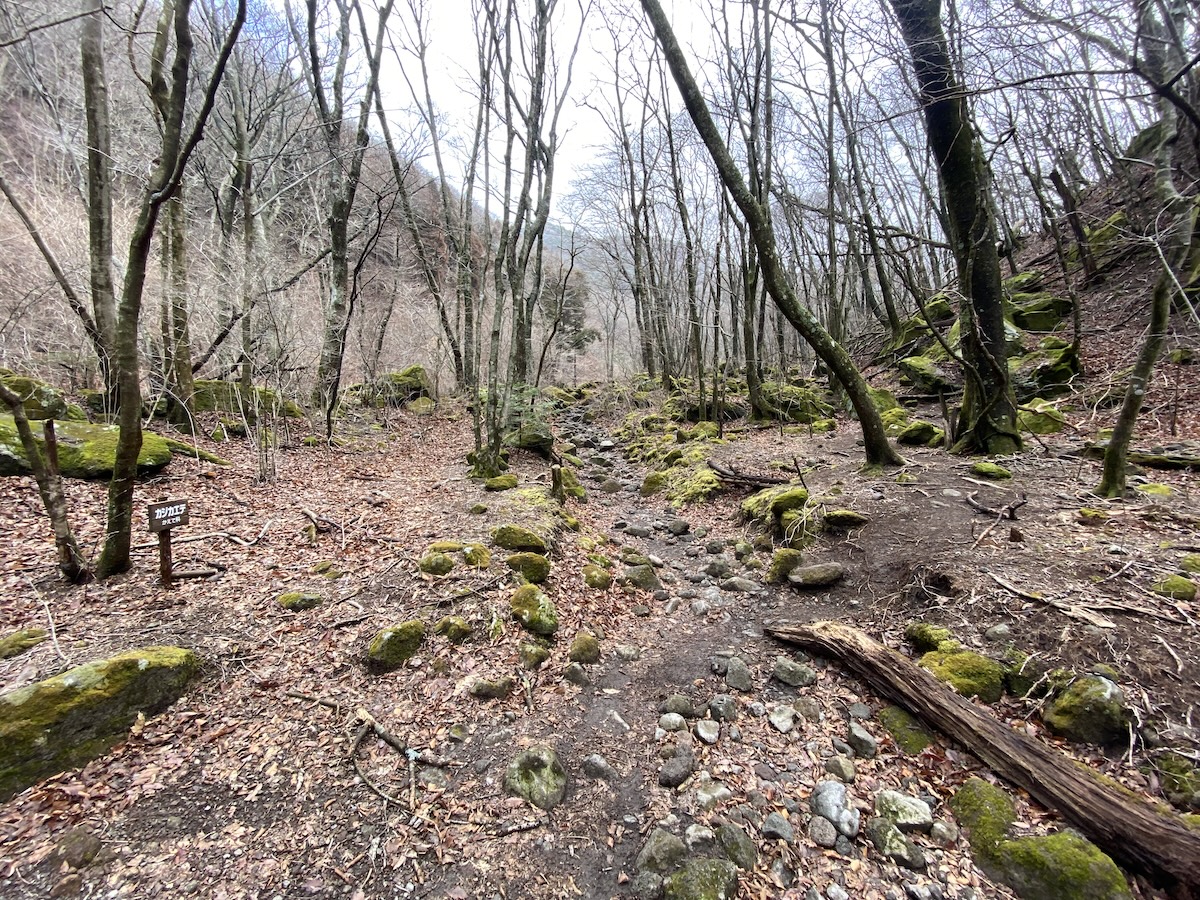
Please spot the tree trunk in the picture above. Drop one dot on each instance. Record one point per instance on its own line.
(989, 410)
(878, 450)
(1131, 830)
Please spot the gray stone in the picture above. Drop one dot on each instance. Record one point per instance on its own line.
(718, 568)
(491, 688)
(719, 665)
(823, 832)
(782, 718)
(678, 527)
(998, 634)
(848, 822)
(737, 675)
(944, 834)
(678, 769)
(723, 708)
(782, 873)
(905, 812)
(739, 585)
(714, 547)
(836, 892)
(700, 607)
(627, 652)
(895, 845)
(792, 673)
(708, 731)
(698, 836)
(843, 846)
(576, 674)
(643, 577)
(809, 709)
(647, 886)
(817, 576)
(703, 879)
(637, 531)
(828, 799)
(858, 711)
(596, 766)
(841, 767)
(737, 845)
(537, 776)
(710, 794)
(672, 722)
(861, 740)
(777, 828)
(661, 853)
(678, 704)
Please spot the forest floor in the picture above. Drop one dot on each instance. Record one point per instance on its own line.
(246, 788)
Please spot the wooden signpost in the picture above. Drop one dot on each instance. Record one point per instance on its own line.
(163, 517)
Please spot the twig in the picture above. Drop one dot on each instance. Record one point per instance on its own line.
(1174, 655)
(49, 618)
(516, 827)
(329, 704)
(1008, 511)
(1075, 612)
(363, 731)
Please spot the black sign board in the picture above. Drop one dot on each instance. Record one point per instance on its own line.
(165, 516)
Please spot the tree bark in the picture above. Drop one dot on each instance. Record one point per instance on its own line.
(878, 450)
(989, 410)
(1129, 829)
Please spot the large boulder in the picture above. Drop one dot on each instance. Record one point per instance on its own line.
(1090, 710)
(533, 435)
(1046, 372)
(41, 401)
(925, 375)
(84, 450)
(394, 388)
(72, 718)
(395, 645)
(793, 403)
(1040, 311)
(968, 672)
(227, 397)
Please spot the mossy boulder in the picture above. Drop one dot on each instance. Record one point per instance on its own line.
(784, 561)
(436, 563)
(491, 688)
(298, 601)
(920, 433)
(533, 567)
(41, 401)
(1039, 311)
(84, 450)
(596, 577)
(395, 388)
(571, 486)
(534, 610)
(455, 629)
(925, 637)
(1043, 373)
(227, 397)
(906, 730)
(703, 879)
(1180, 779)
(643, 577)
(477, 556)
(518, 538)
(925, 375)
(792, 403)
(1190, 564)
(532, 656)
(500, 483)
(420, 406)
(883, 399)
(767, 507)
(1040, 416)
(990, 470)
(1176, 587)
(585, 648)
(533, 435)
(1154, 489)
(969, 673)
(1024, 282)
(835, 519)
(653, 483)
(72, 718)
(894, 420)
(395, 645)
(18, 642)
(537, 776)
(1091, 710)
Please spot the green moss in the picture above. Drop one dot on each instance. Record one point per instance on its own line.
(534, 610)
(1154, 490)
(84, 451)
(227, 397)
(571, 486)
(1060, 866)
(692, 485)
(420, 406)
(478, 509)
(921, 434)
(653, 483)
(455, 629)
(894, 420)
(969, 673)
(1091, 710)
(392, 647)
(40, 400)
(436, 563)
(297, 601)
(533, 567)
(19, 641)
(701, 431)
(585, 648)
(1039, 311)
(794, 404)
(1024, 282)
(906, 730)
(532, 656)
(1190, 564)
(843, 518)
(477, 556)
(1086, 515)
(925, 375)
(1176, 587)
(882, 399)
(925, 637)
(703, 879)
(72, 718)
(1043, 373)
(516, 537)
(444, 547)
(990, 470)
(500, 483)
(986, 811)
(394, 388)
(1040, 416)
(596, 577)
(783, 562)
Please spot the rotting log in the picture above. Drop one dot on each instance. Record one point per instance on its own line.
(1134, 832)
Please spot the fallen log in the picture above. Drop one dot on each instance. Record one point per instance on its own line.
(733, 476)
(1131, 830)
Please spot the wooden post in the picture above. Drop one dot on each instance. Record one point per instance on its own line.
(164, 557)
(163, 517)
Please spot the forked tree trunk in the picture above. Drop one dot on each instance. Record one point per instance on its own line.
(1129, 829)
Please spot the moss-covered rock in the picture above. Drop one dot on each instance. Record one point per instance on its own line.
(436, 563)
(491, 688)
(1043, 373)
(533, 567)
(1176, 587)
(969, 673)
(455, 629)
(925, 375)
(534, 610)
(395, 645)
(1040, 416)
(1024, 282)
(41, 401)
(1190, 564)
(84, 451)
(920, 433)
(532, 656)
(421, 406)
(642, 576)
(783, 562)
(519, 538)
(227, 397)
(537, 776)
(533, 435)
(882, 399)
(585, 648)
(1091, 710)
(991, 470)
(571, 486)
(843, 518)
(906, 730)
(653, 483)
(596, 577)
(792, 403)
(477, 556)
(703, 879)
(924, 637)
(894, 420)
(298, 601)
(1153, 489)
(394, 388)
(18, 642)
(72, 718)
(1180, 779)
(500, 483)
(1026, 675)
(1039, 311)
